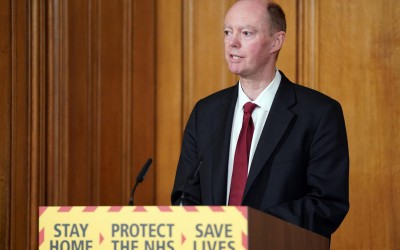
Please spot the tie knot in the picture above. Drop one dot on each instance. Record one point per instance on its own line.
(249, 107)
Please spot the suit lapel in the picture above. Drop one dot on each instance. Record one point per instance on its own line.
(222, 126)
(274, 129)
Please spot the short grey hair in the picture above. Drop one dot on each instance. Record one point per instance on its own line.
(277, 19)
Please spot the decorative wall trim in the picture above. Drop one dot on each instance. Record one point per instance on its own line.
(307, 66)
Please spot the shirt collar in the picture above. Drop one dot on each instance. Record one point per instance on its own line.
(265, 98)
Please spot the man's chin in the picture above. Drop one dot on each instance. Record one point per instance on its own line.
(235, 70)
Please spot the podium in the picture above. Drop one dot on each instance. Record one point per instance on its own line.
(170, 227)
(266, 230)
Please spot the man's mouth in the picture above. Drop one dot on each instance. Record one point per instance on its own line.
(235, 57)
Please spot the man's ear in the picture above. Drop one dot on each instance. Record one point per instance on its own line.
(278, 39)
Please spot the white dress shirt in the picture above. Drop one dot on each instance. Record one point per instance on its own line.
(259, 116)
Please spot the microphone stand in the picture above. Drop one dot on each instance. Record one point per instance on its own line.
(183, 197)
(139, 179)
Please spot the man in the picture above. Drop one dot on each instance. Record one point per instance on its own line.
(291, 142)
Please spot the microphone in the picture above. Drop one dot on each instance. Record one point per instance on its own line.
(139, 179)
(183, 198)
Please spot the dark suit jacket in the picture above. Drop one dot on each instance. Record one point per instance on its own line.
(299, 171)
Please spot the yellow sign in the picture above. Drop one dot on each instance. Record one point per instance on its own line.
(143, 227)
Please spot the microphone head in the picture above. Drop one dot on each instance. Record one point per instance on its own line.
(144, 170)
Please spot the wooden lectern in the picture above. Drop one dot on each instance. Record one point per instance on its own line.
(170, 228)
(268, 232)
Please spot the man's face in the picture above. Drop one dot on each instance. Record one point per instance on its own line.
(247, 40)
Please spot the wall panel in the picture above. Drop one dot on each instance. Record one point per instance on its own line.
(102, 95)
(288, 57)
(111, 49)
(204, 67)
(168, 95)
(5, 118)
(20, 222)
(78, 107)
(358, 53)
(143, 98)
(76, 113)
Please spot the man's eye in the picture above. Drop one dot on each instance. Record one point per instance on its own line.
(226, 32)
(247, 33)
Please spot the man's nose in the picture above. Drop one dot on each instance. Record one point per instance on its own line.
(234, 41)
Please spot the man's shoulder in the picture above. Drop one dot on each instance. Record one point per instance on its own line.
(306, 95)
(310, 94)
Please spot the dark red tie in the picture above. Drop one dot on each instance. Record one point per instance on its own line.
(241, 160)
